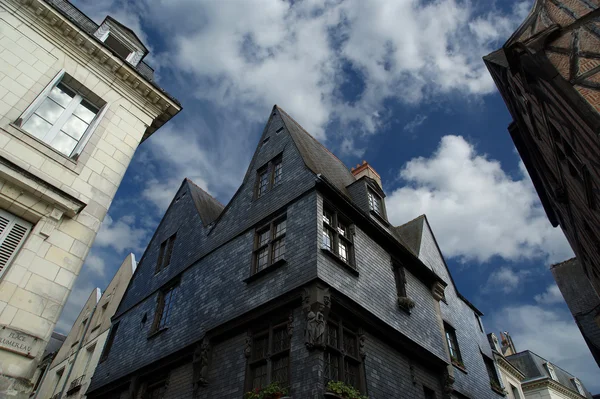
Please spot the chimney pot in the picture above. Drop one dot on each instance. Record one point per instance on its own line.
(366, 170)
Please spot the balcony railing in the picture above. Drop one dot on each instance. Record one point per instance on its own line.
(75, 385)
(55, 396)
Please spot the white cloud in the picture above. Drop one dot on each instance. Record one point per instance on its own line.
(96, 264)
(415, 123)
(77, 299)
(552, 335)
(476, 210)
(551, 296)
(249, 55)
(506, 280)
(121, 234)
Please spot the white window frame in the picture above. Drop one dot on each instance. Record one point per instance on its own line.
(132, 52)
(12, 221)
(578, 386)
(375, 201)
(63, 118)
(551, 371)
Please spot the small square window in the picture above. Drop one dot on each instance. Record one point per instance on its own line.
(269, 245)
(337, 237)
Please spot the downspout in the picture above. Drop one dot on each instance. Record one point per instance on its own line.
(87, 325)
(37, 391)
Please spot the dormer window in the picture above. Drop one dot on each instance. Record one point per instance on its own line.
(118, 46)
(578, 386)
(551, 371)
(375, 203)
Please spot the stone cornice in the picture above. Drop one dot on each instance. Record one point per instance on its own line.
(550, 384)
(91, 46)
(508, 367)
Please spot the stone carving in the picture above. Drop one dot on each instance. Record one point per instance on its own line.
(306, 299)
(290, 325)
(405, 303)
(248, 347)
(315, 328)
(200, 365)
(361, 346)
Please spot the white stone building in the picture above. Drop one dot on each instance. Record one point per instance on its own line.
(71, 370)
(76, 99)
(526, 375)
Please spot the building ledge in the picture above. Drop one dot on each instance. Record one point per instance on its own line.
(265, 271)
(340, 261)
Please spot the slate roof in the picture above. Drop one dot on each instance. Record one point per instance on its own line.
(316, 157)
(208, 207)
(532, 365)
(410, 234)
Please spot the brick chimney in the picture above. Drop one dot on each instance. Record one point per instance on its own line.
(366, 170)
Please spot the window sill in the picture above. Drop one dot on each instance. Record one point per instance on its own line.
(498, 390)
(265, 271)
(339, 260)
(74, 343)
(42, 147)
(379, 218)
(157, 332)
(458, 366)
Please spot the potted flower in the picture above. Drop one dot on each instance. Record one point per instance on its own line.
(341, 390)
(272, 391)
(405, 303)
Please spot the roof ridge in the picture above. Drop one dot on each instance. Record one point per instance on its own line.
(421, 216)
(310, 135)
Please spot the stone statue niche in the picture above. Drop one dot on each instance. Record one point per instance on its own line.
(316, 303)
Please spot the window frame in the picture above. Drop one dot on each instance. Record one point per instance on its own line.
(164, 301)
(375, 198)
(335, 236)
(164, 258)
(272, 179)
(109, 342)
(453, 346)
(339, 351)
(132, 50)
(269, 245)
(269, 355)
(492, 372)
(39, 100)
(551, 371)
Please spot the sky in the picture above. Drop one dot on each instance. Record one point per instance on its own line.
(399, 83)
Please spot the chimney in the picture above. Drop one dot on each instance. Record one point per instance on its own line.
(366, 170)
(508, 347)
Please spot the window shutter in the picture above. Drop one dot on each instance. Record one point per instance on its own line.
(13, 232)
(88, 133)
(41, 97)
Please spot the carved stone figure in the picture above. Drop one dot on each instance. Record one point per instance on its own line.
(290, 325)
(248, 347)
(200, 365)
(361, 346)
(315, 329)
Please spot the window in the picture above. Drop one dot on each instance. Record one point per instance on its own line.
(59, 375)
(429, 393)
(109, 342)
(491, 370)
(269, 245)
(63, 116)
(551, 371)
(156, 390)
(515, 392)
(269, 176)
(453, 345)
(375, 203)
(578, 386)
(13, 232)
(117, 46)
(479, 323)
(80, 332)
(270, 357)
(163, 308)
(165, 252)
(337, 236)
(342, 360)
(400, 280)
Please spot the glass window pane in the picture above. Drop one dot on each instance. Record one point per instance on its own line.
(263, 238)
(343, 251)
(75, 127)
(86, 111)
(37, 126)
(62, 95)
(49, 110)
(63, 143)
(280, 228)
(262, 259)
(278, 250)
(277, 174)
(327, 239)
(280, 370)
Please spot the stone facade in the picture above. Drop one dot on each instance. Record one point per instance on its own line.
(369, 315)
(548, 75)
(55, 194)
(71, 370)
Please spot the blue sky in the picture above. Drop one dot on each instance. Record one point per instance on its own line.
(399, 83)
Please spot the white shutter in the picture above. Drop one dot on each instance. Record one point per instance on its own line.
(13, 232)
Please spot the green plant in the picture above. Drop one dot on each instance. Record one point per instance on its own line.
(344, 390)
(458, 362)
(272, 391)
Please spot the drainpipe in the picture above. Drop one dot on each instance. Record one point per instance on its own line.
(87, 325)
(37, 391)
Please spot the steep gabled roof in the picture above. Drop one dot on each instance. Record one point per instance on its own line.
(410, 234)
(208, 207)
(316, 157)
